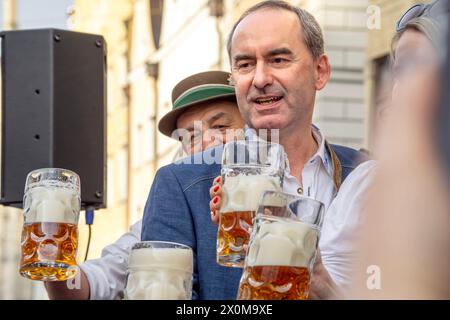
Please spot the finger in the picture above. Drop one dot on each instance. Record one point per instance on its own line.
(312, 295)
(318, 289)
(318, 261)
(215, 203)
(215, 190)
(322, 286)
(215, 216)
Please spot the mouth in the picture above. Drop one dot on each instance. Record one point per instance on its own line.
(265, 101)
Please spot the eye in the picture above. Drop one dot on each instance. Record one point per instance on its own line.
(278, 61)
(244, 66)
(220, 126)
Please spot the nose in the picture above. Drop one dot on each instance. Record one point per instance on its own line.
(262, 77)
(211, 139)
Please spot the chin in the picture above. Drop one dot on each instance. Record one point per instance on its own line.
(268, 123)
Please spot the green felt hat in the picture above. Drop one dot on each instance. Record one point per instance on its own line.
(196, 89)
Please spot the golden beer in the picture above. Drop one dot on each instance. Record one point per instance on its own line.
(48, 250)
(282, 248)
(49, 239)
(249, 168)
(232, 235)
(279, 259)
(274, 283)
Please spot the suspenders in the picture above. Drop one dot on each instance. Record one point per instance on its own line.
(337, 168)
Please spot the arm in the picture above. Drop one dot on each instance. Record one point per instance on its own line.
(322, 285)
(59, 290)
(103, 278)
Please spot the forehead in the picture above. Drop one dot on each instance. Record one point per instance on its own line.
(206, 110)
(413, 41)
(266, 29)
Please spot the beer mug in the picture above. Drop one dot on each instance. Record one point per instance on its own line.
(282, 248)
(248, 169)
(159, 270)
(49, 241)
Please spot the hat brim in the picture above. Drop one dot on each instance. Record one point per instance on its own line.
(168, 123)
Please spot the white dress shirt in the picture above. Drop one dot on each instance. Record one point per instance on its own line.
(342, 222)
(317, 175)
(107, 275)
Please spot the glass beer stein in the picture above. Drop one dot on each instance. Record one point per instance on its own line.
(49, 241)
(282, 248)
(248, 169)
(159, 270)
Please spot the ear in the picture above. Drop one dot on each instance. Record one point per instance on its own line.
(323, 71)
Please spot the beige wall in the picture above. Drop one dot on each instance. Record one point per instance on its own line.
(143, 108)
(109, 18)
(379, 45)
(380, 40)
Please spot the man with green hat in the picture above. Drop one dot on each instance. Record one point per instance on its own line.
(204, 109)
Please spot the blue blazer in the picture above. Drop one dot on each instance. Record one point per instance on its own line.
(177, 210)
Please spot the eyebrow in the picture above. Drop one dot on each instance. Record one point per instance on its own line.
(240, 57)
(211, 119)
(218, 116)
(190, 128)
(279, 51)
(271, 53)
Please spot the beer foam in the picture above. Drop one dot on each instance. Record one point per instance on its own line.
(159, 273)
(283, 243)
(140, 288)
(52, 205)
(171, 258)
(243, 192)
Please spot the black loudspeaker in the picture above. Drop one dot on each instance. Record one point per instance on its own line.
(53, 110)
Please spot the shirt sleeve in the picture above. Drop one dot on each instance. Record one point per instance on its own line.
(167, 216)
(342, 222)
(107, 275)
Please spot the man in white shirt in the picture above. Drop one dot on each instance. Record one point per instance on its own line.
(197, 120)
(333, 268)
(277, 68)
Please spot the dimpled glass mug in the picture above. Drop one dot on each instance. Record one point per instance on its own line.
(159, 270)
(49, 239)
(282, 248)
(248, 169)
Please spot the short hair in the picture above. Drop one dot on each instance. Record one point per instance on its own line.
(312, 33)
(432, 23)
(426, 25)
